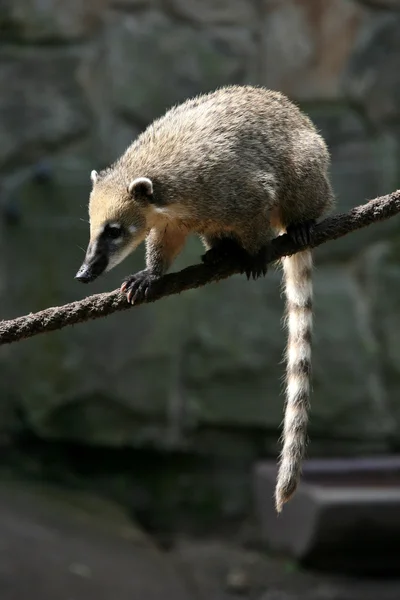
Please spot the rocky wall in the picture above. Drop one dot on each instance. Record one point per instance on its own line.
(78, 81)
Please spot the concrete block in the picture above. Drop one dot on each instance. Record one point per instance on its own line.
(344, 517)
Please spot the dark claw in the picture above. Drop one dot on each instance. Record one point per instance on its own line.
(256, 265)
(301, 233)
(137, 286)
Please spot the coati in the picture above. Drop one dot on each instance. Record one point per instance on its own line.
(237, 167)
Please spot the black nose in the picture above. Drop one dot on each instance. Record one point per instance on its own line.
(85, 274)
(92, 268)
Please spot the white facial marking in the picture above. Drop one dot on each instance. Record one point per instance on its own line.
(93, 176)
(119, 256)
(91, 251)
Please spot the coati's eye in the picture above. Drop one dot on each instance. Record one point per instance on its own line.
(113, 232)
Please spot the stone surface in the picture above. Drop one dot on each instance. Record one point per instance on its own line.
(49, 20)
(42, 104)
(362, 167)
(236, 342)
(209, 564)
(214, 12)
(111, 133)
(111, 396)
(372, 75)
(208, 372)
(306, 45)
(390, 4)
(341, 348)
(79, 80)
(224, 362)
(181, 61)
(381, 283)
(69, 545)
(216, 352)
(383, 4)
(133, 5)
(64, 547)
(323, 526)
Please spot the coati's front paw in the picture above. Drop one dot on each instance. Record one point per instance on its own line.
(256, 264)
(136, 287)
(301, 233)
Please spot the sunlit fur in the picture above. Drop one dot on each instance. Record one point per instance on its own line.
(242, 162)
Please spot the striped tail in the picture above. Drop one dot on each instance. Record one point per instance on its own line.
(297, 271)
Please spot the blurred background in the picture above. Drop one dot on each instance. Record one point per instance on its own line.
(135, 449)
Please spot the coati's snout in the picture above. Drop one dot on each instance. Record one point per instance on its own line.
(88, 273)
(95, 263)
(104, 251)
(107, 250)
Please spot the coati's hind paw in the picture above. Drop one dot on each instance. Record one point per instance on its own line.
(256, 265)
(136, 287)
(301, 233)
(224, 249)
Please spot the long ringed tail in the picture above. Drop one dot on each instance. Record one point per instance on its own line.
(297, 272)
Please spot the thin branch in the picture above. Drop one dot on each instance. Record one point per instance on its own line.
(101, 305)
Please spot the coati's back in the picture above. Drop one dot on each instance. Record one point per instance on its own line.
(219, 143)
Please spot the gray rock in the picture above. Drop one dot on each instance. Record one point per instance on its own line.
(232, 371)
(383, 4)
(133, 5)
(41, 103)
(181, 61)
(343, 403)
(234, 351)
(323, 524)
(209, 357)
(51, 20)
(211, 12)
(111, 133)
(105, 382)
(66, 546)
(372, 75)
(364, 166)
(208, 561)
(305, 46)
(382, 283)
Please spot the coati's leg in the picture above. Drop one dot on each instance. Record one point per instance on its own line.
(162, 247)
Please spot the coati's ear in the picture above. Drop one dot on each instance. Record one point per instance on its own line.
(141, 188)
(93, 176)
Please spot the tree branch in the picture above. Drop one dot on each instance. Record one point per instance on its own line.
(101, 305)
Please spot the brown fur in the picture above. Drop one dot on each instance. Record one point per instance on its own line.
(244, 163)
